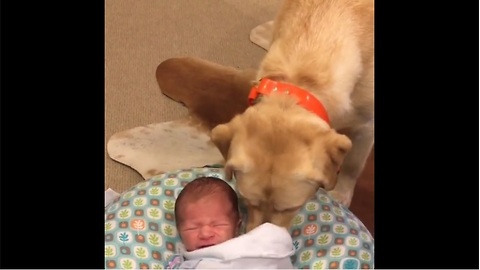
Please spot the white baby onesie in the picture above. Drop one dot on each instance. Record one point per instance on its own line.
(266, 247)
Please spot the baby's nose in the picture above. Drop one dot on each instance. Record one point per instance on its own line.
(206, 232)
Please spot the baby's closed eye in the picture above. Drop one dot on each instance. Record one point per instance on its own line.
(190, 229)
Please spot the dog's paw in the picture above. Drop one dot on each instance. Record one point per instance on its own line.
(343, 197)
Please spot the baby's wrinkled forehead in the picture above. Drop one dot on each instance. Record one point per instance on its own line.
(214, 200)
(210, 209)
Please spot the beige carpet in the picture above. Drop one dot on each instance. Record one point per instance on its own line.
(140, 34)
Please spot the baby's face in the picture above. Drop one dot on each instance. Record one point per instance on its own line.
(207, 222)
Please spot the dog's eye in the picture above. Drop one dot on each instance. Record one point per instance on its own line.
(251, 203)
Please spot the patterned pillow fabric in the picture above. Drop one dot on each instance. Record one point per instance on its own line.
(140, 230)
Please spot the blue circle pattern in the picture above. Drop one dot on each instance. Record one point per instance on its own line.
(140, 230)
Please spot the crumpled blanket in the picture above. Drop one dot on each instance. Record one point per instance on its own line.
(266, 247)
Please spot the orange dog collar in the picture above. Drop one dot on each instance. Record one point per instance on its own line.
(305, 99)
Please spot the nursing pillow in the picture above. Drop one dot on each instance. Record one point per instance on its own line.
(140, 231)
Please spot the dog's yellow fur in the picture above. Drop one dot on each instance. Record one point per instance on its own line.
(281, 153)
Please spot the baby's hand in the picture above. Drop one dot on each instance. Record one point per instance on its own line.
(175, 262)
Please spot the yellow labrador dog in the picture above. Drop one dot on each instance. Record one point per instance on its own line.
(311, 122)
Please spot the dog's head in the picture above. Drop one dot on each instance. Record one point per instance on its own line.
(280, 155)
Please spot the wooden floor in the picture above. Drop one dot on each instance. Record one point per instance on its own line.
(363, 199)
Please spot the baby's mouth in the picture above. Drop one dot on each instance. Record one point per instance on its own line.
(204, 246)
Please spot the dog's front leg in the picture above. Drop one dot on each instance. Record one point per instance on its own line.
(353, 164)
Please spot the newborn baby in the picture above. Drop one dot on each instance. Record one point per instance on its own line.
(208, 221)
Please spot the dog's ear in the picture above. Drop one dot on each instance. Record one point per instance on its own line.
(235, 159)
(335, 147)
(238, 162)
(338, 147)
(221, 136)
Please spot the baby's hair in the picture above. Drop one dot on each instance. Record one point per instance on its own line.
(204, 186)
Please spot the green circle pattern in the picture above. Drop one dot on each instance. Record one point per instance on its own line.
(140, 230)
